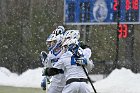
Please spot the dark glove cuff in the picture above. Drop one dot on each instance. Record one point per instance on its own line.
(53, 71)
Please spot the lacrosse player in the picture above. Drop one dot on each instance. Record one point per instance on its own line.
(53, 42)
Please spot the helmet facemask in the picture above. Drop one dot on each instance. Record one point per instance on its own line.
(51, 44)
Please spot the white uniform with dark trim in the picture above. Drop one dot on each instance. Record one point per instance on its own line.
(57, 81)
(71, 70)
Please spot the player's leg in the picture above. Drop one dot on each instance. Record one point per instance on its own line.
(55, 89)
(71, 88)
(84, 88)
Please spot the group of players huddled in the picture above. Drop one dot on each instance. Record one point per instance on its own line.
(63, 65)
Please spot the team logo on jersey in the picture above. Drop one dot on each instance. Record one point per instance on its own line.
(100, 10)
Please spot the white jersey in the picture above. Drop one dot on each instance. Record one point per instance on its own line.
(53, 58)
(68, 64)
(71, 70)
(57, 81)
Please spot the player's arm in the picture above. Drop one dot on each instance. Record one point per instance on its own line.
(45, 59)
(82, 56)
(56, 69)
(53, 71)
(89, 65)
(87, 54)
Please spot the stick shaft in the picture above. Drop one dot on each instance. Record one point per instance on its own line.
(89, 78)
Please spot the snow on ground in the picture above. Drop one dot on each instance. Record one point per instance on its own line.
(30, 78)
(119, 81)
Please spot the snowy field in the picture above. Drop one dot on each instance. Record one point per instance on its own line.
(119, 81)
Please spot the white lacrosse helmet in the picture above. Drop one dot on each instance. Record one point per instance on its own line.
(70, 41)
(54, 41)
(51, 37)
(59, 30)
(72, 34)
